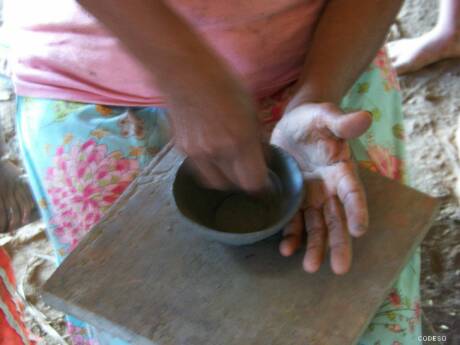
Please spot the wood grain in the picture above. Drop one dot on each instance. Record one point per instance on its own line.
(145, 276)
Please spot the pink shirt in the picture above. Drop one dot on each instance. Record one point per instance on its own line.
(62, 52)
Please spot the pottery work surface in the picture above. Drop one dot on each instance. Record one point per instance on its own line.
(142, 275)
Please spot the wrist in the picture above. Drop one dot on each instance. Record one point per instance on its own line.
(210, 98)
(313, 93)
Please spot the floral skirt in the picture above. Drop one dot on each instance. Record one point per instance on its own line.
(81, 157)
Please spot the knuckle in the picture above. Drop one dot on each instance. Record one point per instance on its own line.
(329, 107)
(349, 195)
(314, 246)
(339, 245)
(333, 221)
(315, 237)
(222, 147)
(315, 231)
(196, 155)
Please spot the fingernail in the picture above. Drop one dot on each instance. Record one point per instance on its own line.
(311, 267)
(360, 230)
(284, 248)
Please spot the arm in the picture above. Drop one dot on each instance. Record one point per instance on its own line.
(315, 130)
(212, 115)
(347, 38)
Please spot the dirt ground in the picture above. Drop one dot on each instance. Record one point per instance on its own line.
(432, 109)
(431, 105)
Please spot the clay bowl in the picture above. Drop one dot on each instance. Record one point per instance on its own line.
(234, 217)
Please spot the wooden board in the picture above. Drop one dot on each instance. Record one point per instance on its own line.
(144, 276)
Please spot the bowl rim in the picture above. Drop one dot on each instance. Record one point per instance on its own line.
(277, 226)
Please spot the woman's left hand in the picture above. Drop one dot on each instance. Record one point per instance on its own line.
(335, 206)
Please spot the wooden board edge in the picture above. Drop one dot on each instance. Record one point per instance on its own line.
(93, 319)
(107, 325)
(436, 207)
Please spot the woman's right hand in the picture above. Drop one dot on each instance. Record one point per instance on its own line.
(16, 202)
(219, 133)
(213, 117)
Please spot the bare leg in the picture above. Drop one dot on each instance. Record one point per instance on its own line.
(442, 42)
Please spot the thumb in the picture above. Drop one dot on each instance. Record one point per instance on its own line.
(349, 126)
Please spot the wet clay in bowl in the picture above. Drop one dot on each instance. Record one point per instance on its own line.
(235, 217)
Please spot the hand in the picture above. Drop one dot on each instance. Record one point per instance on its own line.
(335, 205)
(16, 203)
(221, 136)
(212, 115)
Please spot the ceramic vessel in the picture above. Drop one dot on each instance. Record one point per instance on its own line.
(237, 218)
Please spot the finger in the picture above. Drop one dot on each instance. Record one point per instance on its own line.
(339, 240)
(349, 126)
(250, 169)
(353, 197)
(210, 175)
(292, 235)
(316, 240)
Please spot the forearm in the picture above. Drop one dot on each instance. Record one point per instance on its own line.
(212, 115)
(346, 39)
(183, 66)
